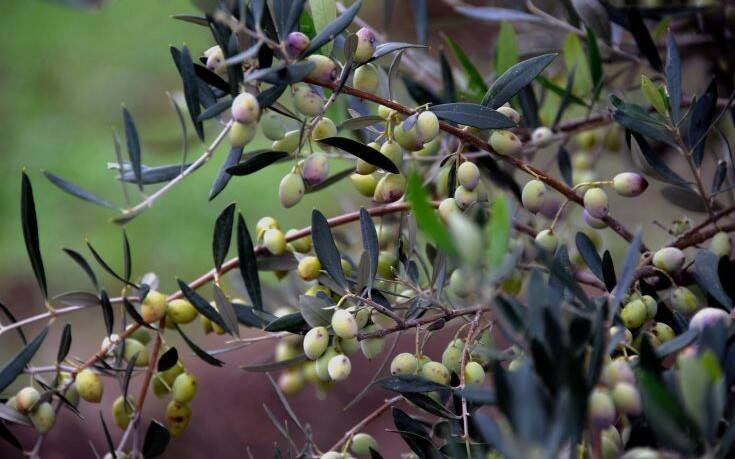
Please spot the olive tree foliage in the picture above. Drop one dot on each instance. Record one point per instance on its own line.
(479, 212)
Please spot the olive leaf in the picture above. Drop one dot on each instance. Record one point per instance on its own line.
(167, 360)
(201, 353)
(589, 254)
(475, 115)
(77, 191)
(202, 305)
(515, 79)
(17, 363)
(29, 223)
(223, 176)
(222, 235)
(156, 440)
(362, 151)
(708, 277)
(248, 264)
(84, 264)
(64, 344)
(325, 248)
(133, 143)
(370, 244)
(673, 76)
(333, 29)
(256, 161)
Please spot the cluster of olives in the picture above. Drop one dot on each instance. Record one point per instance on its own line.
(41, 413)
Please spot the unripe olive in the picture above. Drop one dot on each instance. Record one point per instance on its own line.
(393, 151)
(325, 70)
(586, 139)
(365, 46)
(468, 175)
(71, 394)
(364, 167)
(460, 283)
(322, 364)
(324, 128)
(409, 139)
(134, 347)
(308, 268)
(265, 223)
(464, 197)
(627, 399)
(641, 453)
(651, 306)
(289, 143)
(372, 347)
(381, 320)
(274, 241)
(245, 108)
(601, 408)
(467, 238)
(452, 356)
(581, 161)
(184, 387)
(684, 301)
(627, 335)
(435, 372)
(362, 443)
(215, 58)
(178, 416)
(241, 134)
(386, 112)
(430, 148)
(366, 78)
(180, 311)
(89, 386)
(390, 188)
(154, 306)
(26, 398)
(285, 351)
(307, 100)
(720, 244)
(547, 240)
(339, 367)
(122, 411)
(315, 168)
(272, 126)
(509, 112)
(348, 346)
(291, 190)
(362, 316)
(291, 381)
(670, 259)
(505, 142)
(364, 184)
(629, 184)
(43, 417)
(617, 371)
(404, 363)
(344, 324)
(593, 222)
(474, 374)
(611, 442)
(708, 317)
(316, 342)
(634, 314)
(542, 136)
(386, 263)
(534, 195)
(427, 125)
(296, 43)
(595, 202)
(448, 207)
(662, 332)
(301, 245)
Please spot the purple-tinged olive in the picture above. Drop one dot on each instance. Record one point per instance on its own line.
(708, 317)
(315, 168)
(629, 184)
(542, 136)
(390, 188)
(595, 202)
(245, 108)
(324, 128)
(601, 408)
(365, 46)
(325, 70)
(593, 222)
(307, 100)
(296, 43)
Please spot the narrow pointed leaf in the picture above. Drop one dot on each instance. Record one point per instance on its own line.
(673, 76)
(426, 217)
(515, 79)
(201, 353)
(708, 277)
(333, 29)
(133, 143)
(30, 233)
(191, 90)
(222, 235)
(13, 367)
(363, 152)
(643, 38)
(202, 305)
(325, 248)
(248, 264)
(703, 114)
(84, 264)
(156, 440)
(626, 274)
(167, 360)
(107, 267)
(80, 193)
(257, 161)
(223, 177)
(475, 82)
(107, 313)
(370, 244)
(226, 311)
(589, 254)
(475, 115)
(64, 344)
(499, 231)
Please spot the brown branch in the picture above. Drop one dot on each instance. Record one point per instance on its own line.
(446, 316)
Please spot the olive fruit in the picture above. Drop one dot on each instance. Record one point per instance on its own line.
(386, 113)
(634, 314)
(460, 283)
(272, 126)
(154, 306)
(316, 341)
(468, 175)
(136, 349)
(274, 241)
(366, 78)
(533, 196)
(364, 184)
(315, 168)
(542, 136)
(595, 202)
(291, 381)
(627, 399)
(296, 43)
(547, 240)
(386, 263)
(89, 386)
(302, 244)
(510, 113)
(162, 381)
(362, 443)
(706, 318)
(324, 128)
(26, 398)
(308, 268)
(651, 306)
(430, 148)
(427, 125)
(241, 134)
(410, 139)
(245, 108)
(363, 167)
(373, 346)
(339, 367)
(505, 142)
(474, 374)
(322, 364)
(629, 184)
(662, 332)
(452, 355)
(448, 207)
(180, 311)
(670, 259)
(617, 371)
(178, 416)
(325, 70)
(393, 151)
(464, 197)
(390, 188)
(184, 387)
(601, 408)
(404, 363)
(43, 417)
(71, 394)
(344, 324)
(684, 301)
(289, 143)
(611, 443)
(291, 190)
(593, 222)
(215, 58)
(122, 411)
(307, 100)
(720, 244)
(365, 46)
(265, 223)
(348, 346)
(381, 320)
(435, 372)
